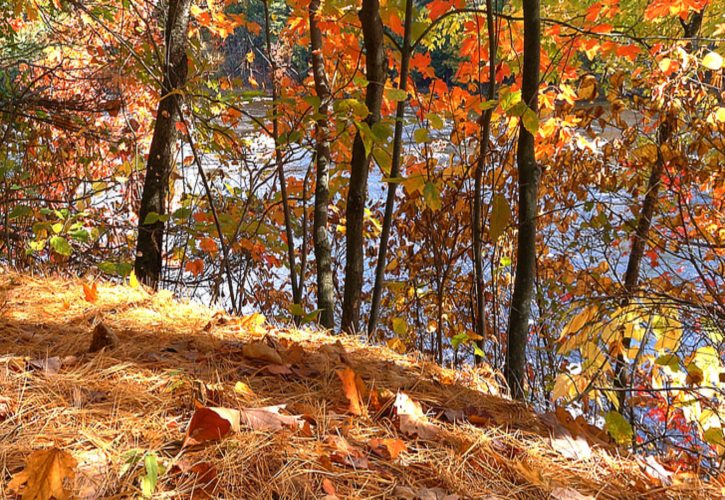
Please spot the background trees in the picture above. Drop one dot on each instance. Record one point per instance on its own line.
(297, 116)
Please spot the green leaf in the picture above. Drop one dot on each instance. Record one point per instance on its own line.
(530, 120)
(149, 481)
(151, 218)
(421, 135)
(500, 216)
(400, 326)
(714, 436)
(435, 121)
(618, 427)
(670, 361)
(297, 309)
(19, 211)
(432, 196)
(60, 245)
(396, 94)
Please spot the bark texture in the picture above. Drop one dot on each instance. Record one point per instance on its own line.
(323, 251)
(528, 171)
(160, 163)
(372, 27)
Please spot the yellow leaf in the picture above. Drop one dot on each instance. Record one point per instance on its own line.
(713, 61)
(133, 280)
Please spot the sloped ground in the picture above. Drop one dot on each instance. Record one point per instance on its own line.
(109, 409)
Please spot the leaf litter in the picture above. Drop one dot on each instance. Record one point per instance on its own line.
(320, 431)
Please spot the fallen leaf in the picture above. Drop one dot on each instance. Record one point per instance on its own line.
(50, 366)
(412, 419)
(328, 487)
(243, 389)
(334, 352)
(92, 476)
(211, 424)
(103, 337)
(346, 454)
(354, 389)
(569, 446)
(44, 474)
(260, 350)
(655, 471)
(268, 418)
(408, 493)
(200, 477)
(387, 448)
(569, 494)
(294, 354)
(277, 369)
(90, 292)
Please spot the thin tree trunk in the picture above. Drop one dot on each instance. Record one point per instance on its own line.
(289, 233)
(160, 163)
(641, 235)
(529, 173)
(323, 249)
(405, 55)
(478, 183)
(372, 27)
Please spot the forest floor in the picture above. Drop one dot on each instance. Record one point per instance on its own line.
(358, 421)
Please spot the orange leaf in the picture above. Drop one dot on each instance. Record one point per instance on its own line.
(211, 424)
(387, 448)
(208, 245)
(354, 389)
(90, 292)
(195, 266)
(44, 474)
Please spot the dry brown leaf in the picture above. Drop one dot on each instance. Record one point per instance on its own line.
(211, 424)
(563, 441)
(268, 418)
(201, 477)
(569, 494)
(387, 448)
(261, 351)
(412, 419)
(294, 354)
(354, 389)
(277, 369)
(44, 474)
(90, 292)
(49, 366)
(103, 337)
(655, 471)
(408, 493)
(346, 454)
(329, 488)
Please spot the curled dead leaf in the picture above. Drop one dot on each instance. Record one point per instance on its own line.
(412, 419)
(387, 448)
(354, 389)
(268, 418)
(345, 453)
(211, 424)
(261, 351)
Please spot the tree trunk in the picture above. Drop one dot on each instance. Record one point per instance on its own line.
(372, 27)
(323, 251)
(528, 171)
(480, 314)
(162, 152)
(289, 233)
(405, 55)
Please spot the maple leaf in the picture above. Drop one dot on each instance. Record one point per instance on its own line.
(90, 292)
(44, 474)
(412, 419)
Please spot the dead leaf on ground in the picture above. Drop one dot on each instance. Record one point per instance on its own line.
(333, 352)
(387, 448)
(49, 366)
(90, 292)
(354, 389)
(268, 418)
(211, 424)
(44, 474)
(408, 493)
(329, 489)
(261, 351)
(563, 441)
(656, 471)
(200, 477)
(277, 369)
(569, 494)
(294, 354)
(103, 337)
(346, 454)
(412, 419)
(94, 468)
